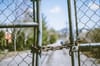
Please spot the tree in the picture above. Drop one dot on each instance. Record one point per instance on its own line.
(53, 36)
(45, 33)
(20, 41)
(2, 40)
(49, 36)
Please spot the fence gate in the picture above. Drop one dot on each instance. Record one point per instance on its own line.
(84, 32)
(20, 29)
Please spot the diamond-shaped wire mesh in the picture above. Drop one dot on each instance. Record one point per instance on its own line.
(15, 43)
(88, 15)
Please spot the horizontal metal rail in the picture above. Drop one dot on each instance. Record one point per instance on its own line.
(19, 25)
(90, 45)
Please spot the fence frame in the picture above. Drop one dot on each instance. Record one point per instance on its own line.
(37, 25)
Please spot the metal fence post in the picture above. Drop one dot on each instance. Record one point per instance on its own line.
(35, 58)
(76, 23)
(39, 34)
(71, 30)
(34, 43)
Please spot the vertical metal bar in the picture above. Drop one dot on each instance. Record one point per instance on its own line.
(76, 23)
(38, 32)
(38, 20)
(34, 12)
(71, 30)
(34, 36)
(76, 30)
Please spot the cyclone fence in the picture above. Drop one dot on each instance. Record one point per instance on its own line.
(19, 32)
(15, 38)
(87, 37)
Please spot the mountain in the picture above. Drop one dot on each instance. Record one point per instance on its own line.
(63, 31)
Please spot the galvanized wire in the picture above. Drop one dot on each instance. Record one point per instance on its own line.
(20, 11)
(88, 21)
(13, 15)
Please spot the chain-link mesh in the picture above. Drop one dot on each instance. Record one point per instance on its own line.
(15, 43)
(88, 18)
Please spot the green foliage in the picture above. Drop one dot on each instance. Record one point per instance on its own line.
(2, 41)
(45, 33)
(20, 41)
(53, 36)
(1, 34)
(49, 36)
(29, 43)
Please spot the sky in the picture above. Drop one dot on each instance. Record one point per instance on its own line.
(55, 12)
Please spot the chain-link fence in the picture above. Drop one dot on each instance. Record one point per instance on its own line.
(18, 32)
(88, 35)
(16, 40)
